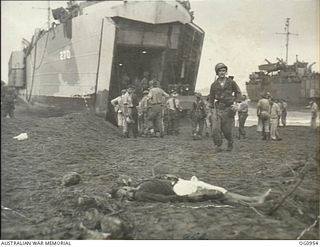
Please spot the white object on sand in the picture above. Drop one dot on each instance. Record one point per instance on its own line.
(22, 136)
(187, 187)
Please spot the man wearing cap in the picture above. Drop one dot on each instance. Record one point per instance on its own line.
(223, 92)
(156, 97)
(173, 106)
(198, 116)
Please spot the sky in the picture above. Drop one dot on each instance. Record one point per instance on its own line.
(239, 33)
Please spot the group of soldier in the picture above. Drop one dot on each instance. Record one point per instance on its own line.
(147, 110)
(157, 113)
(153, 115)
(144, 117)
(270, 113)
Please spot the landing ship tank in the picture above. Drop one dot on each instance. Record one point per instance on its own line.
(98, 43)
(295, 83)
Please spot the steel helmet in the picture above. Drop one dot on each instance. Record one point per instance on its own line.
(220, 66)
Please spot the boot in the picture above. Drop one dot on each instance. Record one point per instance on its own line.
(230, 146)
(217, 149)
(268, 137)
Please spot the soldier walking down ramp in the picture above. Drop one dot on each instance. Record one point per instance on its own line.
(223, 93)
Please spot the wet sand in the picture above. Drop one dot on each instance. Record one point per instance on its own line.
(32, 170)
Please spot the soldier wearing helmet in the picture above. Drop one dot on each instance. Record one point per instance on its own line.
(220, 66)
(224, 92)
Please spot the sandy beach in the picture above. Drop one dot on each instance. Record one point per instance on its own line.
(35, 205)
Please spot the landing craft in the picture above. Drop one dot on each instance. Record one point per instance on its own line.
(96, 45)
(295, 83)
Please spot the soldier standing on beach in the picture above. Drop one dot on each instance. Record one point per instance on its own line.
(173, 107)
(143, 113)
(274, 120)
(223, 93)
(263, 113)
(133, 112)
(117, 103)
(314, 114)
(156, 98)
(8, 99)
(283, 107)
(243, 114)
(198, 117)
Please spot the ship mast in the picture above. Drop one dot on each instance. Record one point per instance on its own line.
(48, 12)
(287, 33)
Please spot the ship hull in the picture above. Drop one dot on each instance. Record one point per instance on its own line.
(87, 56)
(298, 92)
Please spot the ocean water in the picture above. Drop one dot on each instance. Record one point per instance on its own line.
(295, 117)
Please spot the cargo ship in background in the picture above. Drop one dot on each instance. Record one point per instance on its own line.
(295, 83)
(96, 45)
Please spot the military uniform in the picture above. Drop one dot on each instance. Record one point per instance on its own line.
(314, 115)
(156, 97)
(133, 114)
(274, 121)
(143, 114)
(284, 107)
(8, 99)
(198, 117)
(221, 99)
(173, 108)
(242, 114)
(263, 113)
